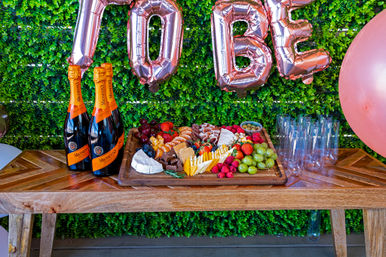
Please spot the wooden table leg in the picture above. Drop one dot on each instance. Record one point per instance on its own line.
(374, 222)
(338, 227)
(48, 234)
(20, 234)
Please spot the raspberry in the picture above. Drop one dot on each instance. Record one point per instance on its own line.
(232, 169)
(225, 169)
(215, 169)
(229, 175)
(221, 175)
(229, 160)
(235, 164)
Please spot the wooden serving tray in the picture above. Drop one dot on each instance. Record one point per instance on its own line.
(129, 177)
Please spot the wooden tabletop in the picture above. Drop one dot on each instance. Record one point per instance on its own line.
(39, 182)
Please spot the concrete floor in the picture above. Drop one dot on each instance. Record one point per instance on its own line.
(264, 246)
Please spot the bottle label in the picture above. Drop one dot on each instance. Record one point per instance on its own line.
(78, 155)
(107, 158)
(121, 140)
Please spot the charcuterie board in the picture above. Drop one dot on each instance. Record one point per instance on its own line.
(129, 177)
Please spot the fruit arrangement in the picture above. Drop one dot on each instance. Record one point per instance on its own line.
(206, 148)
(254, 157)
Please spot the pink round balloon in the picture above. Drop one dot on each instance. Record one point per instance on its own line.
(362, 84)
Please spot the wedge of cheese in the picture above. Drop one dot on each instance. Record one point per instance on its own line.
(226, 137)
(144, 164)
(185, 154)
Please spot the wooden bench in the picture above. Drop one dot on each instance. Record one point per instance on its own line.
(39, 182)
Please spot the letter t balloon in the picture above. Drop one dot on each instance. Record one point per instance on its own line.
(87, 30)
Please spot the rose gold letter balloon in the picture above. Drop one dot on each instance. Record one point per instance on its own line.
(362, 84)
(286, 33)
(153, 72)
(250, 45)
(87, 30)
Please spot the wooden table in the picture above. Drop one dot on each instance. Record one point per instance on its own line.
(39, 182)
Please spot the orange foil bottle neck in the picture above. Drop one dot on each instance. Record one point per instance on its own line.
(76, 106)
(101, 108)
(109, 86)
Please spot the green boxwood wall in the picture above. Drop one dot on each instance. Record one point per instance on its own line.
(36, 38)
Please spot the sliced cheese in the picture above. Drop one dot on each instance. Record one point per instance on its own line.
(201, 168)
(144, 164)
(179, 147)
(213, 163)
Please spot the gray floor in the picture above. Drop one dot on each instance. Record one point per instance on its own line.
(265, 246)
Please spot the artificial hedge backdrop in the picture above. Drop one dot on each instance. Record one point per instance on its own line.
(36, 38)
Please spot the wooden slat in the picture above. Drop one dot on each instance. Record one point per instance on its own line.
(193, 199)
(374, 222)
(34, 184)
(20, 233)
(48, 234)
(338, 227)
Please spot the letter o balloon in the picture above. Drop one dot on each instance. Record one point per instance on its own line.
(153, 72)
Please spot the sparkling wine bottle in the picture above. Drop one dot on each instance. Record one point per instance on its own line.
(76, 125)
(102, 135)
(118, 124)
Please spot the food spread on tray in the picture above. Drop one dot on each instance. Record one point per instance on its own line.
(205, 148)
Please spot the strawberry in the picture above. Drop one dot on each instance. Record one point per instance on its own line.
(238, 154)
(247, 149)
(167, 137)
(208, 145)
(165, 126)
(203, 150)
(173, 133)
(240, 130)
(237, 147)
(197, 143)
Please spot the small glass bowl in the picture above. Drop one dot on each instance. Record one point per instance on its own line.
(250, 132)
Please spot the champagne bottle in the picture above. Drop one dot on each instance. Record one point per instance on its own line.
(118, 124)
(102, 136)
(76, 125)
